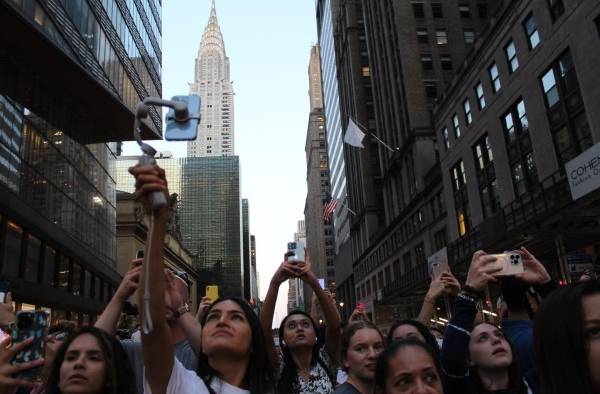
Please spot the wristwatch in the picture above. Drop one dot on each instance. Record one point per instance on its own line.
(185, 308)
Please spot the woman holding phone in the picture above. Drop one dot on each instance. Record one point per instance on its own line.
(304, 367)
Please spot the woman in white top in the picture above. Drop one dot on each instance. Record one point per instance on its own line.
(233, 358)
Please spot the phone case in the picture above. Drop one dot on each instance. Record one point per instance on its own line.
(510, 262)
(212, 292)
(35, 351)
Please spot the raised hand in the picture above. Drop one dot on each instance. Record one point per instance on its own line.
(130, 281)
(534, 272)
(149, 179)
(481, 271)
(451, 285)
(8, 371)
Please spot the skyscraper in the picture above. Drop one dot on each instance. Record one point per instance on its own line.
(319, 234)
(71, 74)
(246, 254)
(335, 137)
(210, 214)
(212, 83)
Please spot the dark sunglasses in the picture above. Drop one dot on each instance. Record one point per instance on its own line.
(183, 275)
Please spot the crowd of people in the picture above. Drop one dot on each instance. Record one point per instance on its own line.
(547, 341)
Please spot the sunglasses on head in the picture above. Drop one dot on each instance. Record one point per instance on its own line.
(182, 275)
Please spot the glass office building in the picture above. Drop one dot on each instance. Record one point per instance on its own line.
(71, 74)
(210, 214)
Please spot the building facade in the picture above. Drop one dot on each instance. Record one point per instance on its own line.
(64, 66)
(519, 110)
(246, 253)
(210, 214)
(319, 234)
(254, 280)
(132, 235)
(213, 84)
(393, 59)
(335, 139)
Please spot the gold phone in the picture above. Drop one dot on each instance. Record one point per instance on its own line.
(212, 292)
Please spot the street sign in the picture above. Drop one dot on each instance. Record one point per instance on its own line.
(583, 172)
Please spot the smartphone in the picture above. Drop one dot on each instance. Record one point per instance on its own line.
(30, 325)
(212, 292)
(511, 263)
(183, 131)
(140, 254)
(439, 267)
(4, 289)
(298, 249)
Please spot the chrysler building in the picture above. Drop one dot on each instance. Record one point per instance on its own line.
(212, 84)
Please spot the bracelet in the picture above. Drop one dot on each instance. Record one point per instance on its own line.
(472, 292)
(468, 297)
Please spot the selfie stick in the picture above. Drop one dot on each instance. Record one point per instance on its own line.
(157, 199)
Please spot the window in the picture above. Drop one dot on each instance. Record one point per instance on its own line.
(441, 37)
(388, 274)
(520, 150)
(483, 10)
(456, 126)
(565, 110)
(12, 249)
(464, 10)
(486, 176)
(461, 200)
(431, 89)
(418, 9)
(557, 8)
(446, 61)
(531, 31)
(467, 111)
(49, 261)
(511, 56)
(439, 239)
(420, 254)
(62, 273)
(407, 260)
(422, 36)
(550, 88)
(427, 62)
(436, 10)
(445, 138)
(494, 77)
(480, 96)
(32, 259)
(469, 35)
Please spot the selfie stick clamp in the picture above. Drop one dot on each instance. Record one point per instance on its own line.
(156, 199)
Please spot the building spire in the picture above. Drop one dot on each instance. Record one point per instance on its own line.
(213, 9)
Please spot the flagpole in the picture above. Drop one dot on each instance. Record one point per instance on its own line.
(373, 135)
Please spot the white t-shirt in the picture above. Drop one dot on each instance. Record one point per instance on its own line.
(184, 381)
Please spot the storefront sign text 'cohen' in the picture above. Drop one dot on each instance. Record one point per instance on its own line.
(583, 172)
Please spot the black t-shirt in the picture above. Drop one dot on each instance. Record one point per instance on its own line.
(346, 388)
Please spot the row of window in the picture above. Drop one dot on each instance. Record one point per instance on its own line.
(437, 11)
(510, 53)
(441, 36)
(24, 256)
(402, 235)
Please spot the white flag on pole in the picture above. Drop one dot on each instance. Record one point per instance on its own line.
(354, 135)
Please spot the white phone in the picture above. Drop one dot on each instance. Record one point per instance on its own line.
(298, 249)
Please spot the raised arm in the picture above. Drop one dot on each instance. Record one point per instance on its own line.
(444, 284)
(109, 319)
(329, 309)
(283, 273)
(157, 349)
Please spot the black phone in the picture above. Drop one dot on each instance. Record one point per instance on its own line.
(4, 290)
(33, 324)
(140, 254)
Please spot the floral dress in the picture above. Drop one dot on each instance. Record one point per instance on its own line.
(319, 381)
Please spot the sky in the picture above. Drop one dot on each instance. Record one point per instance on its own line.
(268, 43)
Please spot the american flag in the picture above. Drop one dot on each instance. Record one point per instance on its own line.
(329, 205)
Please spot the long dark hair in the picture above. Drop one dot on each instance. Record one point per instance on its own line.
(119, 377)
(560, 342)
(382, 369)
(289, 373)
(515, 379)
(259, 375)
(349, 332)
(429, 338)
